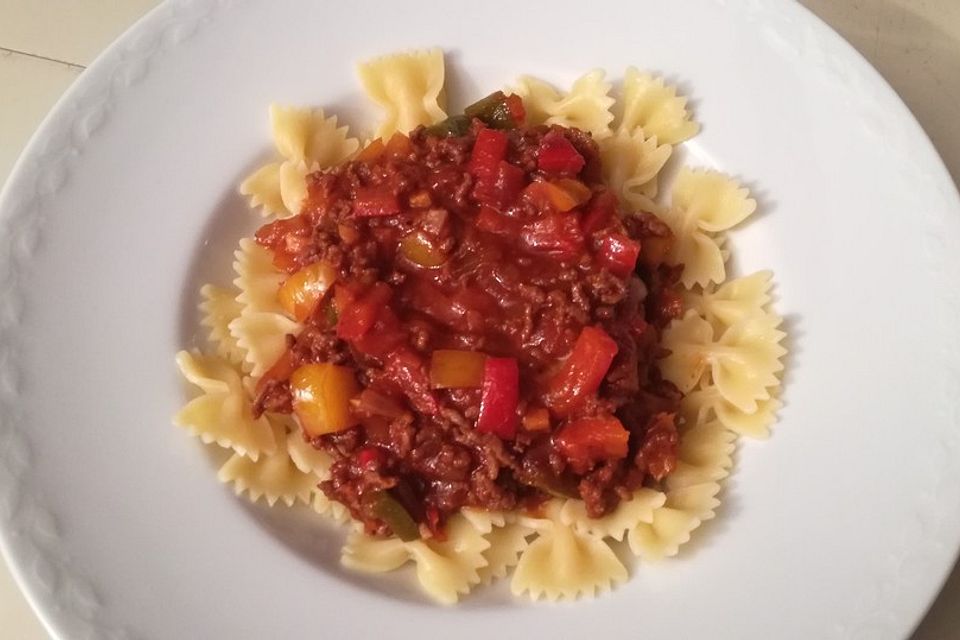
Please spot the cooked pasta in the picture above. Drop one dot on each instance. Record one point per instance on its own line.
(218, 309)
(262, 335)
(446, 570)
(724, 354)
(409, 88)
(222, 413)
(262, 187)
(629, 515)
(563, 563)
(257, 279)
(691, 492)
(704, 203)
(306, 137)
(743, 361)
(631, 163)
(733, 300)
(652, 105)
(272, 477)
(586, 106)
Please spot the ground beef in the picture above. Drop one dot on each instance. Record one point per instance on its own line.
(516, 281)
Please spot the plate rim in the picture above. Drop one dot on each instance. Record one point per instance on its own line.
(151, 35)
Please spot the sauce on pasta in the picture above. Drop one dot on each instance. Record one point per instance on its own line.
(481, 325)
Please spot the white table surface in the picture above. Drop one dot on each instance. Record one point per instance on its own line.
(45, 44)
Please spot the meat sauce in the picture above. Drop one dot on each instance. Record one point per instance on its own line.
(481, 326)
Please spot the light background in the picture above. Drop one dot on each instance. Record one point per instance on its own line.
(45, 45)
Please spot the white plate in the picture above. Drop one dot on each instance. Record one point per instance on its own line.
(842, 525)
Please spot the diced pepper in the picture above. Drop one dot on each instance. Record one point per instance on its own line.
(582, 372)
(301, 293)
(502, 187)
(420, 250)
(397, 147)
(372, 151)
(450, 368)
(406, 369)
(489, 150)
(287, 238)
(555, 195)
(383, 337)
(586, 441)
(536, 419)
(321, 398)
(498, 110)
(375, 201)
(272, 235)
(394, 515)
(517, 111)
(428, 298)
(358, 316)
(499, 398)
(492, 221)
(618, 254)
(344, 295)
(452, 126)
(577, 190)
(555, 234)
(602, 209)
(557, 156)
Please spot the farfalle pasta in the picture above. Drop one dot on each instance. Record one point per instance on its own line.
(383, 365)
(446, 569)
(409, 88)
(222, 414)
(273, 477)
(219, 307)
(648, 103)
(563, 563)
(586, 106)
(307, 141)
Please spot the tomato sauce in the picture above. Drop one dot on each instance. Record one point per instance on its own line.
(496, 316)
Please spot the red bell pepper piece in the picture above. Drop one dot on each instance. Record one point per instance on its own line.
(582, 371)
(489, 149)
(502, 186)
(287, 239)
(492, 221)
(556, 234)
(358, 316)
(602, 209)
(499, 398)
(619, 254)
(383, 337)
(557, 156)
(375, 201)
(515, 107)
(586, 441)
(409, 373)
